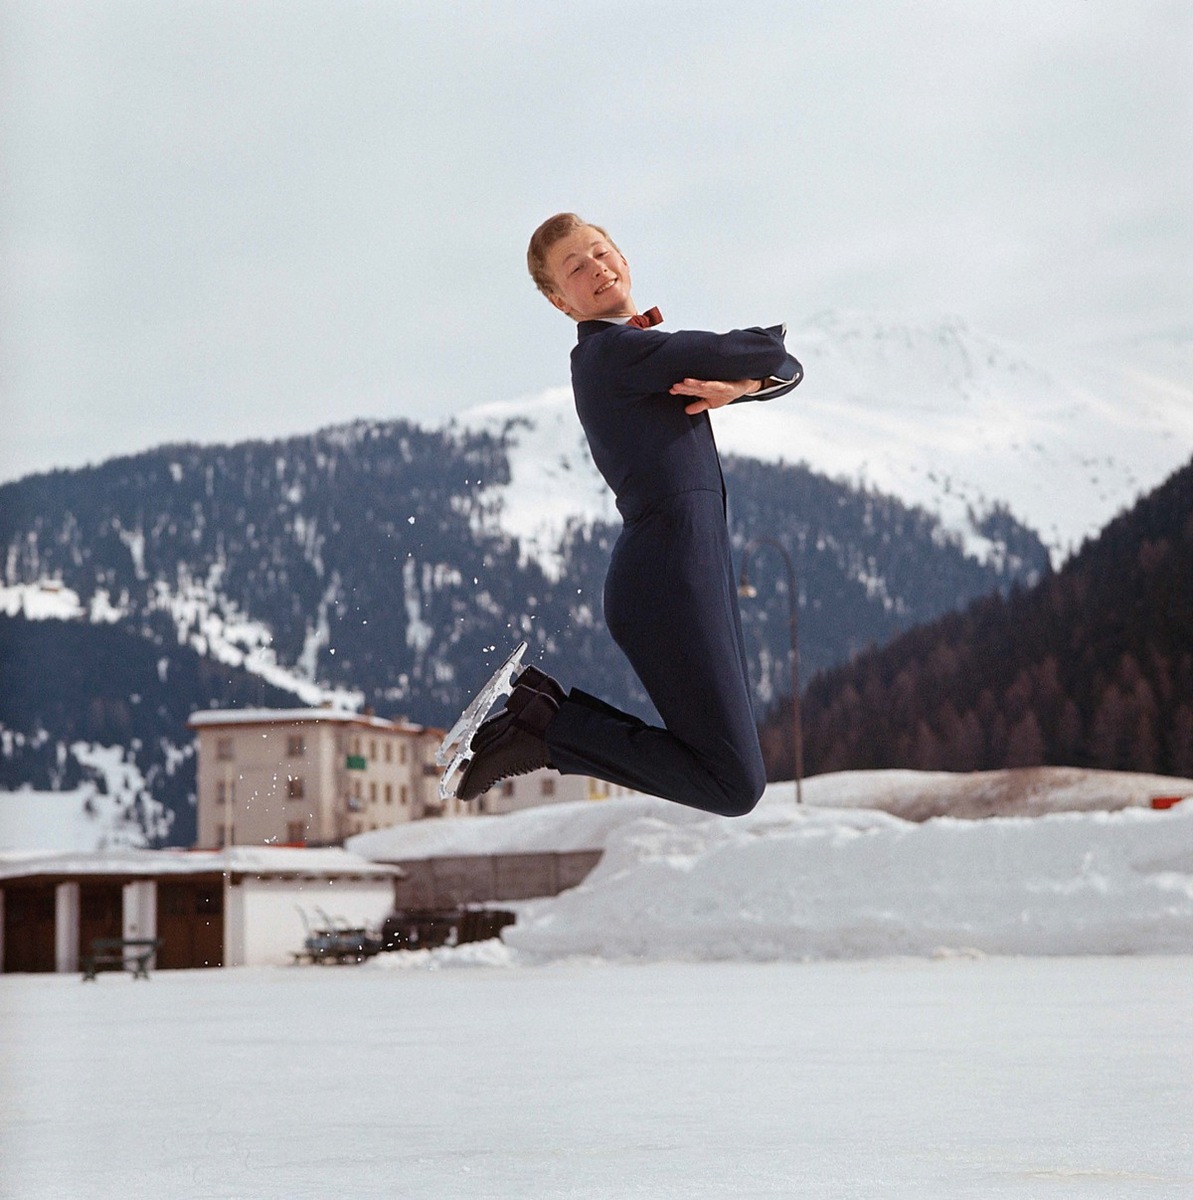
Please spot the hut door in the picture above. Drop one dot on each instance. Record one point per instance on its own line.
(29, 924)
(101, 913)
(190, 922)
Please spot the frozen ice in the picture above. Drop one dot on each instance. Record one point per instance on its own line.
(888, 1079)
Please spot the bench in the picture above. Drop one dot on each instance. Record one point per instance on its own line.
(120, 952)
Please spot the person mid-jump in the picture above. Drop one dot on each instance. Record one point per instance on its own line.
(642, 396)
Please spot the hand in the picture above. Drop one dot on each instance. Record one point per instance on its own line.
(713, 393)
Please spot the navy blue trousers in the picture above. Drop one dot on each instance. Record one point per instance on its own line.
(671, 605)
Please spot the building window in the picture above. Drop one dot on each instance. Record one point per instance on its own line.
(356, 751)
(221, 792)
(296, 745)
(372, 793)
(402, 753)
(547, 787)
(389, 793)
(389, 751)
(405, 795)
(294, 788)
(296, 832)
(223, 749)
(372, 750)
(507, 788)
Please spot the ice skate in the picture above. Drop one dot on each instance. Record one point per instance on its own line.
(514, 742)
(456, 747)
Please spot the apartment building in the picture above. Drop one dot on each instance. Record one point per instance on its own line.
(310, 776)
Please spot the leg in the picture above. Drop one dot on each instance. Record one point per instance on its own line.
(671, 604)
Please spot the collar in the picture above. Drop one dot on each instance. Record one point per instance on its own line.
(588, 328)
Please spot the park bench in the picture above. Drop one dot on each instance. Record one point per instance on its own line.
(121, 953)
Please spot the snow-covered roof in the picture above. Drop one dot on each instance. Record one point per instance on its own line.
(324, 863)
(545, 829)
(289, 716)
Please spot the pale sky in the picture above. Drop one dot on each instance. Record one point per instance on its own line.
(243, 219)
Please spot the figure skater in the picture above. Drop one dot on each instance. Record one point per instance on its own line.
(642, 396)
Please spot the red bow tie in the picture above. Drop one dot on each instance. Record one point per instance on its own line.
(645, 320)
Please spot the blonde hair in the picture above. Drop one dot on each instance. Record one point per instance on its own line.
(545, 236)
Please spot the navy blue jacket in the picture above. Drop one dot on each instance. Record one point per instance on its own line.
(643, 443)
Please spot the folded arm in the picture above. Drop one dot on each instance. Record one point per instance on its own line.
(714, 369)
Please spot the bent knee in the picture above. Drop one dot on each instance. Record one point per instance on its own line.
(741, 798)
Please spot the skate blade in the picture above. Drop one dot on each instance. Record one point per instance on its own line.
(447, 781)
(500, 684)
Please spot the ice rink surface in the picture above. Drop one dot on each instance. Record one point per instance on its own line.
(876, 1080)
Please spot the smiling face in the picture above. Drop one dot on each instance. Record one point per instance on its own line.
(591, 278)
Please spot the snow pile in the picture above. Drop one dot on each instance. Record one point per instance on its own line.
(491, 953)
(786, 883)
(1018, 791)
(912, 795)
(547, 829)
(1084, 868)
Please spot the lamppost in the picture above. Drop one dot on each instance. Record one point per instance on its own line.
(748, 591)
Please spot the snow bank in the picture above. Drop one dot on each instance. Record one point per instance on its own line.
(834, 879)
(1021, 791)
(547, 829)
(913, 795)
(787, 883)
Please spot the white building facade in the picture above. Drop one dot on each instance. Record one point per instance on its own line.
(310, 777)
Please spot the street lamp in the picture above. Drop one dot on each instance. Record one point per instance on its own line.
(748, 591)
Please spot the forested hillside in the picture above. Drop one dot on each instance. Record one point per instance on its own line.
(1091, 667)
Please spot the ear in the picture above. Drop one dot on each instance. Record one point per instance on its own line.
(559, 302)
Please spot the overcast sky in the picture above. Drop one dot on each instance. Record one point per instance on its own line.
(247, 219)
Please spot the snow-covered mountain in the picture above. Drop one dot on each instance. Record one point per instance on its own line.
(941, 417)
